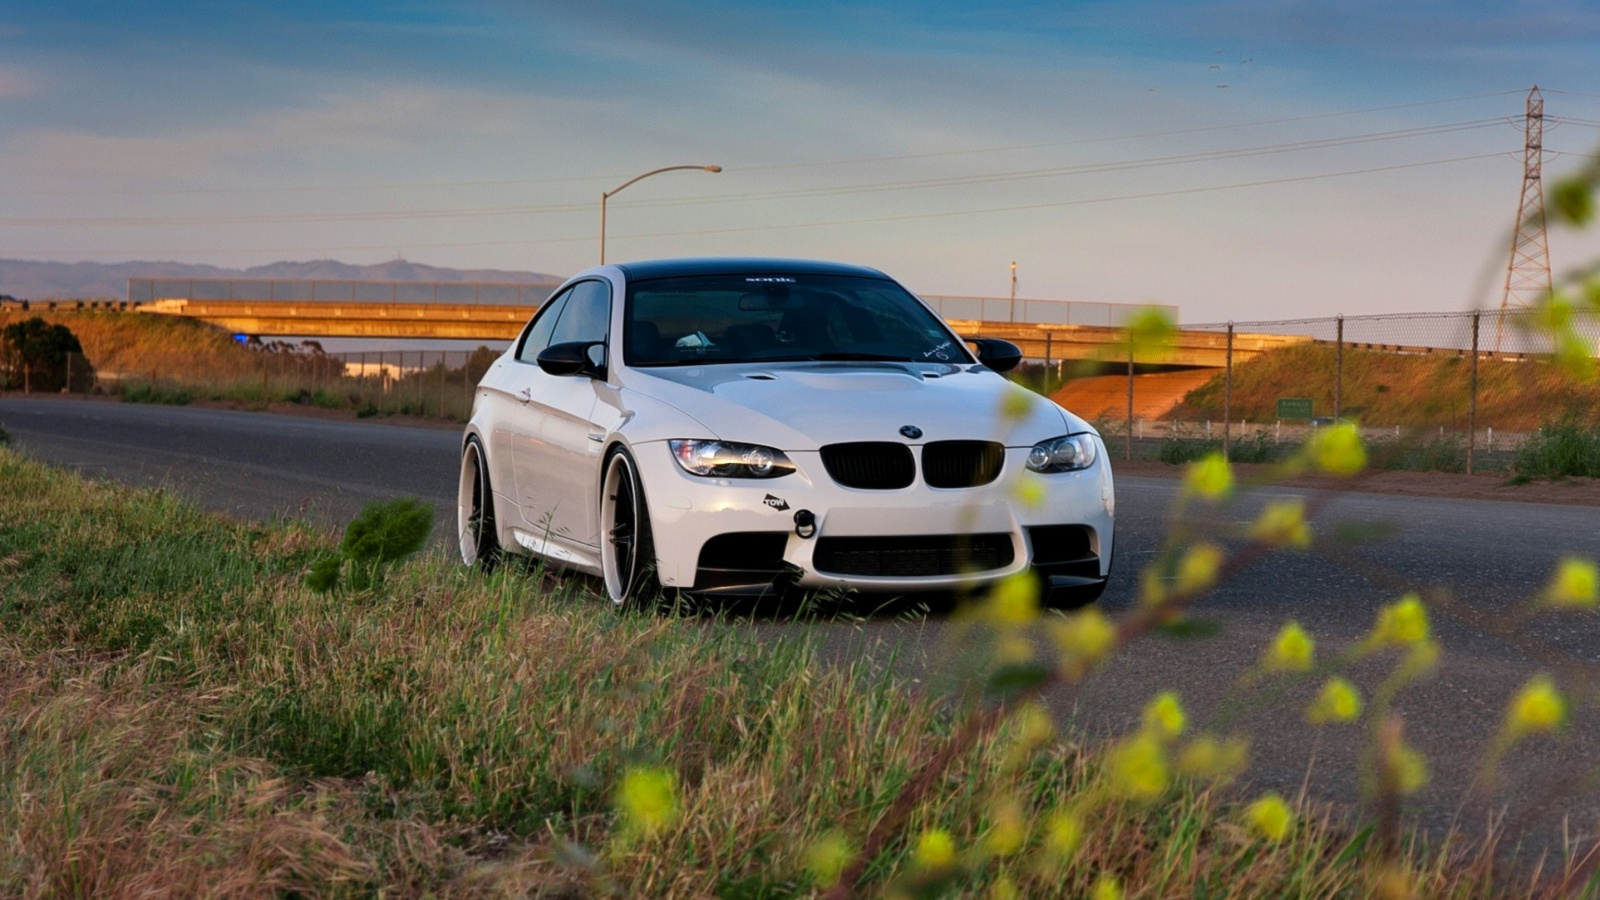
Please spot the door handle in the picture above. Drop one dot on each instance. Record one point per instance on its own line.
(527, 394)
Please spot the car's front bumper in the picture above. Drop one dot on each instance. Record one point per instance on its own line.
(687, 512)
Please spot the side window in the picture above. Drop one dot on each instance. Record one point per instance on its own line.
(587, 315)
(538, 336)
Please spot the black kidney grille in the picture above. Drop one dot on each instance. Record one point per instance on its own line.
(913, 556)
(870, 465)
(959, 464)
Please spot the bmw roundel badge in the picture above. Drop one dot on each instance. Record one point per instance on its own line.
(911, 431)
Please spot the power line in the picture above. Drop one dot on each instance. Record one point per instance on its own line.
(824, 224)
(842, 190)
(509, 182)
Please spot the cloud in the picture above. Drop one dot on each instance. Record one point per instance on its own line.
(374, 121)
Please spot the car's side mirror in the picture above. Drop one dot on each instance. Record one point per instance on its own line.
(573, 358)
(1001, 356)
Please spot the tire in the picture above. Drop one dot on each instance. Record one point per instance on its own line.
(476, 530)
(627, 550)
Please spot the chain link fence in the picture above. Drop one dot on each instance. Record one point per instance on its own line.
(1449, 391)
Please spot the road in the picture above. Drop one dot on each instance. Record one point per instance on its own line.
(1491, 555)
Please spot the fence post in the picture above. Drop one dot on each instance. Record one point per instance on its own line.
(1127, 448)
(1472, 400)
(1047, 336)
(1227, 396)
(1338, 368)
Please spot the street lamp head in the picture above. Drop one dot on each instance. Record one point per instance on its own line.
(713, 168)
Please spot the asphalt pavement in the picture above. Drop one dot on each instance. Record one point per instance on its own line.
(1491, 555)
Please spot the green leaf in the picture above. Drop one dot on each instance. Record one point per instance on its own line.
(1187, 629)
(1572, 199)
(385, 532)
(1014, 678)
(324, 574)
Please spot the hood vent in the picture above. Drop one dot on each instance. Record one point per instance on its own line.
(870, 465)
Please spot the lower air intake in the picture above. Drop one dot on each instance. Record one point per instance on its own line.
(913, 557)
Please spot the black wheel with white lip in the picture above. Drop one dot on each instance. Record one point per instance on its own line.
(475, 524)
(627, 552)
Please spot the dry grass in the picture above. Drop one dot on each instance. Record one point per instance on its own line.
(1388, 389)
(183, 718)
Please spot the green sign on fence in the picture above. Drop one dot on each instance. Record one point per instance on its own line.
(1294, 407)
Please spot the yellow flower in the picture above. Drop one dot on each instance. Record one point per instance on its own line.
(1537, 707)
(1107, 888)
(935, 851)
(1211, 477)
(1282, 523)
(649, 798)
(1152, 590)
(1338, 701)
(1029, 492)
(1151, 334)
(1063, 833)
(1576, 585)
(1164, 717)
(1400, 624)
(1338, 449)
(1032, 725)
(1207, 758)
(1198, 568)
(1014, 602)
(1008, 829)
(1291, 651)
(827, 858)
(1016, 403)
(1010, 649)
(1270, 817)
(1138, 768)
(1003, 888)
(1082, 639)
(1408, 770)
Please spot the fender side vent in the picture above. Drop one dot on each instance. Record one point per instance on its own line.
(741, 558)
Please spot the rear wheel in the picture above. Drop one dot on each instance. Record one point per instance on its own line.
(475, 525)
(627, 552)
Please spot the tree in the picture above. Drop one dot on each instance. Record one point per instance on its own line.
(43, 357)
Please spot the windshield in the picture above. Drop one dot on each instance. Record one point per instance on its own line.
(773, 318)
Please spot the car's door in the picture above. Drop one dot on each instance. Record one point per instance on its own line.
(510, 421)
(557, 472)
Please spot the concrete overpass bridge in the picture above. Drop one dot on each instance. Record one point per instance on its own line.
(1050, 330)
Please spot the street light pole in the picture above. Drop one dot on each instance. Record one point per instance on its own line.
(618, 189)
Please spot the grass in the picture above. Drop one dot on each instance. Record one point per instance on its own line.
(149, 358)
(1560, 450)
(1389, 389)
(183, 716)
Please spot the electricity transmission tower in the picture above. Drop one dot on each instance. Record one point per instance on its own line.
(1528, 272)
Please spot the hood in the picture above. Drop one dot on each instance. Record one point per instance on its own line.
(802, 406)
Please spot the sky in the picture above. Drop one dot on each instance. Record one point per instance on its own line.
(1244, 160)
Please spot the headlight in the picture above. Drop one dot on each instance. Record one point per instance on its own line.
(1062, 454)
(721, 459)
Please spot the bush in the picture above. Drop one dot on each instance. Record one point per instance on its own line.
(1558, 450)
(1258, 449)
(44, 357)
(1445, 453)
(145, 392)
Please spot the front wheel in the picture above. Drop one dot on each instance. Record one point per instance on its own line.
(627, 552)
(475, 525)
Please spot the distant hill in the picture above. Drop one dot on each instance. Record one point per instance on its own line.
(30, 280)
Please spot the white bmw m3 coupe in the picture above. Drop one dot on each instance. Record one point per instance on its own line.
(752, 425)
